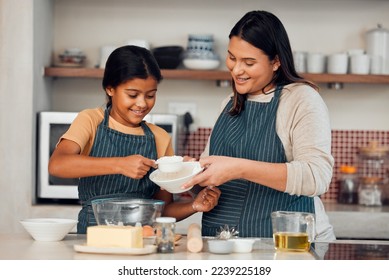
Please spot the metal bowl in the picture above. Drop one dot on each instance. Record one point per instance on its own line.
(109, 211)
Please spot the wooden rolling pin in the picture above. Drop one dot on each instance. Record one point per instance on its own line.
(194, 241)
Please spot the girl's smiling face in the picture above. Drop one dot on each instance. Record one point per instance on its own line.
(250, 67)
(133, 100)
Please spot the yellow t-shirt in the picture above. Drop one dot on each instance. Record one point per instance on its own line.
(84, 127)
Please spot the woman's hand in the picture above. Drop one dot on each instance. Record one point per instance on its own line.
(218, 170)
(206, 200)
(136, 166)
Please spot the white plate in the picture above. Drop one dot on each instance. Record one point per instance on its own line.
(148, 249)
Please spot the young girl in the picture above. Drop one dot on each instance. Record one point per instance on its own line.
(113, 150)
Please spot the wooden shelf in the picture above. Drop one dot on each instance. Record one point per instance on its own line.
(216, 75)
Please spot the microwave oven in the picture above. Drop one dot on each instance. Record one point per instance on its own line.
(51, 126)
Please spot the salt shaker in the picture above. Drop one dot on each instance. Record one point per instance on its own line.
(165, 227)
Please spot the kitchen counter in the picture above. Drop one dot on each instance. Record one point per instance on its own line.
(23, 247)
(349, 221)
(359, 222)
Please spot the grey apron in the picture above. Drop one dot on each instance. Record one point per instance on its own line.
(245, 205)
(112, 143)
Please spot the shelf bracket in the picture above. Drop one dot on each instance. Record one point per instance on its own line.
(223, 83)
(335, 86)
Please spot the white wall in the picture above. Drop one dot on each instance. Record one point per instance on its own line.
(16, 111)
(325, 26)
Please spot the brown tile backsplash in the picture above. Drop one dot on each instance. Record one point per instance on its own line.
(345, 145)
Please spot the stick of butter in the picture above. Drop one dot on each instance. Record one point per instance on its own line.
(114, 236)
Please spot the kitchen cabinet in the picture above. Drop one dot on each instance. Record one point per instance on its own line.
(218, 75)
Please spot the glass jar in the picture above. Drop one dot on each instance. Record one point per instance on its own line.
(373, 168)
(370, 191)
(348, 185)
(373, 160)
(165, 230)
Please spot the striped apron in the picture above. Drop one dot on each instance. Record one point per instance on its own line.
(112, 143)
(245, 205)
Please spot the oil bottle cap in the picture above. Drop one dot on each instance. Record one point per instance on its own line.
(349, 169)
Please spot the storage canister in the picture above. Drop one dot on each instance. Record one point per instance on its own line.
(370, 191)
(348, 185)
(373, 164)
(165, 229)
(377, 47)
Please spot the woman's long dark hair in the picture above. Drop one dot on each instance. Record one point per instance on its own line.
(266, 32)
(127, 63)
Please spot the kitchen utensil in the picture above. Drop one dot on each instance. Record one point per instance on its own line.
(293, 231)
(226, 232)
(200, 45)
(370, 191)
(316, 63)
(72, 57)
(127, 211)
(373, 160)
(48, 229)
(201, 64)
(376, 65)
(300, 61)
(105, 52)
(337, 63)
(194, 238)
(147, 249)
(242, 245)
(168, 57)
(169, 164)
(360, 64)
(377, 45)
(348, 185)
(373, 166)
(219, 246)
(173, 181)
(199, 54)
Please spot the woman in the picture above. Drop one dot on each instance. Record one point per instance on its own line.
(270, 148)
(112, 150)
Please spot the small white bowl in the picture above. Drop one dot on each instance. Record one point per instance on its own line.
(220, 246)
(48, 229)
(201, 64)
(242, 245)
(173, 181)
(170, 164)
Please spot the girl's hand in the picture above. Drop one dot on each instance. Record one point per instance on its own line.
(136, 166)
(206, 200)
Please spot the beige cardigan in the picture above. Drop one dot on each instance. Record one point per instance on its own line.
(303, 126)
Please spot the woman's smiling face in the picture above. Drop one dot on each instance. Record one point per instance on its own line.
(133, 100)
(250, 67)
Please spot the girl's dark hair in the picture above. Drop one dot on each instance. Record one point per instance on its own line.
(266, 32)
(127, 63)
